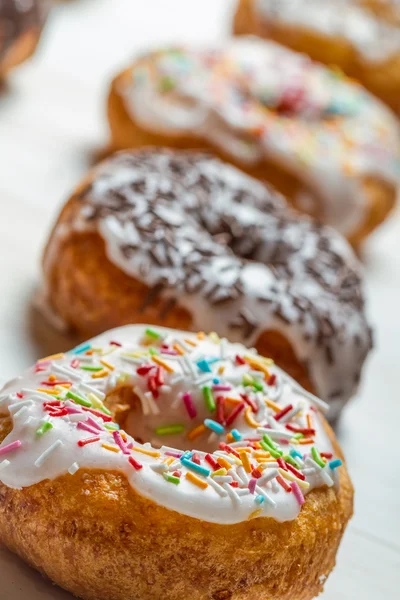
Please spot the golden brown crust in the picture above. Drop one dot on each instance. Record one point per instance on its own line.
(126, 133)
(23, 47)
(382, 79)
(92, 534)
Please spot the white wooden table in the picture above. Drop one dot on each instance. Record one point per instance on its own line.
(52, 122)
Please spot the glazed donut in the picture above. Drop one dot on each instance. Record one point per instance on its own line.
(183, 240)
(20, 27)
(256, 511)
(362, 37)
(321, 140)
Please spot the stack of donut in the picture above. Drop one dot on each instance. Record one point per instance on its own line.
(98, 492)
(20, 27)
(321, 139)
(184, 240)
(362, 37)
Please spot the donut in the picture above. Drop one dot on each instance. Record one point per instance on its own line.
(20, 27)
(362, 37)
(320, 139)
(183, 240)
(102, 491)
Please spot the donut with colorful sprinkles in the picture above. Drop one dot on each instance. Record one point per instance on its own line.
(183, 240)
(321, 139)
(20, 28)
(151, 463)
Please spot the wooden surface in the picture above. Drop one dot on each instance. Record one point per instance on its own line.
(52, 124)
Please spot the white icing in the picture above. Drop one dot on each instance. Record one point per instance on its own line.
(225, 95)
(56, 452)
(374, 39)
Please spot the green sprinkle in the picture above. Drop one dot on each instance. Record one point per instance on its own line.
(298, 436)
(105, 410)
(78, 399)
(152, 352)
(169, 429)
(209, 398)
(289, 459)
(171, 478)
(247, 379)
(258, 386)
(317, 457)
(112, 426)
(89, 368)
(166, 84)
(152, 333)
(43, 428)
(269, 441)
(269, 446)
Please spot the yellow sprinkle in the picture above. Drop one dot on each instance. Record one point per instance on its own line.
(194, 433)
(52, 357)
(136, 354)
(152, 453)
(201, 335)
(243, 450)
(272, 405)
(169, 460)
(255, 364)
(123, 435)
(214, 337)
(50, 392)
(246, 462)
(100, 374)
(107, 364)
(219, 472)
(65, 385)
(96, 402)
(190, 342)
(287, 475)
(224, 463)
(221, 369)
(110, 447)
(196, 480)
(255, 514)
(179, 349)
(249, 418)
(163, 364)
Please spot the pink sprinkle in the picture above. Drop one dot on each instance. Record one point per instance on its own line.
(190, 407)
(71, 410)
(252, 485)
(93, 423)
(10, 447)
(75, 363)
(174, 454)
(120, 442)
(130, 445)
(87, 428)
(297, 492)
(218, 387)
(168, 351)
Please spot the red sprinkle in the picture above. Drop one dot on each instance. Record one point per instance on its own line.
(196, 458)
(256, 473)
(235, 412)
(228, 449)
(282, 464)
(88, 441)
(283, 412)
(295, 471)
(305, 431)
(271, 379)
(113, 343)
(137, 465)
(19, 395)
(152, 385)
(160, 376)
(211, 461)
(144, 369)
(53, 383)
(250, 402)
(283, 483)
(234, 484)
(326, 454)
(98, 413)
(239, 360)
(177, 473)
(220, 410)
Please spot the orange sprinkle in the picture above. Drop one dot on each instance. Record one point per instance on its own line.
(152, 453)
(89, 352)
(259, 455)
(190, 342)
(272, 405)
(107, 364)
(194, 433)
(243, 450)
(224, 463)
(99, 374)
(52, 357)
(244, 457)
(255, 514)
(233, 400)
(221, 369)
(230, 438)
(178, 349)
(309, 422)
(169, 460)
(201, 335)
(52, 378)
(163, 364)
(110, 447)
(306, 441)
(196, 480)
(123, 435)
(259, 367)
(65, 385)
(249, 419)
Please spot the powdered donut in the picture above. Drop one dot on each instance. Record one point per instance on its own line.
(21, 22)
(321, 139)
(362, 37)
(183, 240)
(260, 505)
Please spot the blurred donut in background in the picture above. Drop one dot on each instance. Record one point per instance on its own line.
(21, 23)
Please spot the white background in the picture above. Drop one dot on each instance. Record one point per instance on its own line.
(52, 125)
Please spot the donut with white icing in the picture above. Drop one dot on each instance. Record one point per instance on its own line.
(151, 464)
(184, 240)
(319, 138)
(362, 37)
(21, 22)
